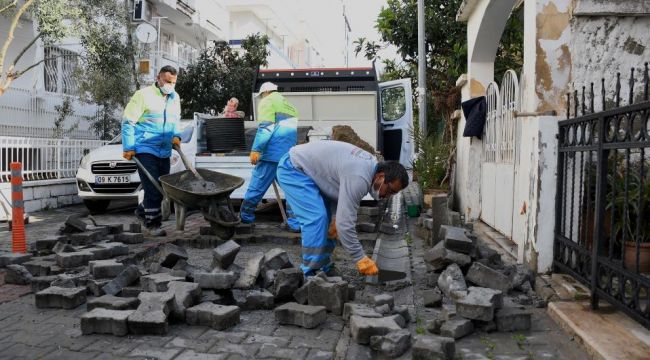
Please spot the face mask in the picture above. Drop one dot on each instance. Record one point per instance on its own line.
(375, 192)
(167, 89)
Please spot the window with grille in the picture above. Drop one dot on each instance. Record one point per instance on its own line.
(59, 70)
(167, 44)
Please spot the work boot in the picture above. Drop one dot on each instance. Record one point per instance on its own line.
(156, 231)
(285, 227)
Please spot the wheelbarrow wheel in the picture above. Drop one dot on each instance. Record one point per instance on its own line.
(223, 232)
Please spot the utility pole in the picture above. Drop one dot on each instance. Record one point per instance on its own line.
(422, 69)
(158, 51)
(346, 31)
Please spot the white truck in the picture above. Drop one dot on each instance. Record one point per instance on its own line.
(380, 113)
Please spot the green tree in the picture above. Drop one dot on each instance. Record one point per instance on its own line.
(220, 73)
(55, 19)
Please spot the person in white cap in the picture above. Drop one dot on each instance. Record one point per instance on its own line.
(277, 132)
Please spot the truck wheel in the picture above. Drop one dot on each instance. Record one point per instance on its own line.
(97, 206)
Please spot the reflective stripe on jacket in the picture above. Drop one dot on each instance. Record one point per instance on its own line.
(277, 127)
(150, 121)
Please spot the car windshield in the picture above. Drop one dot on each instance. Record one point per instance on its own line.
(117, 139)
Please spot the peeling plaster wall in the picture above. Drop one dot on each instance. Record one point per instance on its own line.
(605, 45)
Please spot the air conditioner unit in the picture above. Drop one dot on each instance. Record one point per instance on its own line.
(140, 10)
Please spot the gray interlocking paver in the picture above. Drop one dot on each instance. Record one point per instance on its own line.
(149, 351)
(278, 352)
(195, 355)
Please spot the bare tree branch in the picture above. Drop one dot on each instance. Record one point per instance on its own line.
(11, 4)
(24, 50)
(12, 29)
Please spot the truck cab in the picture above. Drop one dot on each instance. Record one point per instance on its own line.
(379, 113)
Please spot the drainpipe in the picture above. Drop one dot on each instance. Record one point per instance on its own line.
(422, 68)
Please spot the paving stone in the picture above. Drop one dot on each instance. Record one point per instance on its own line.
(219, 317)
(217, 279)
(116, 248)
(129, 238)
(521, 274)
(158, 282)
(69, 260)
(105, 321)
(243, 229)
(186, 295)
(111, 302)
(366, 227)
(58, 297)
(46, 245)
(430, 347)
(62, 247)
(151, 315)
(99, 253)
(383, 309)
(439, 257)
(250, 273)
(224, 255)
(362, 328)
(18, 275)
(169, 254)
(306, 316)
(484, 276)
(135, 228)
(362, 310)
(253, 299)
(72, 279)
(85, 238)
(479, 303)
(276, 259)
(393, 344)
(148, 351)
(131, 291)
(102, 269)
(75, 223)
(382, 299)
(38, 267)
(95, 286)
(274, 351)
(268, 278)
(432, 297)
(193, 355)
(316, 354)
(301, 295)
(512, 319)
(487, 253)
(456, 239)
(352, 292)
(388, 229)
(40, 283)
(456, 328)
(127, 277)
(287, 281)
(432, 279)
(328, 294)
(403, 311)
(452, 283)
(211, 296)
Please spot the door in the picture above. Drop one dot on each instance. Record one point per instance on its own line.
(396, 115)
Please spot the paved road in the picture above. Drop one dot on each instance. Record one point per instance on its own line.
(30, 333)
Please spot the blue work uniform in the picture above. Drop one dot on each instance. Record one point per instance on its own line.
(149, 124)
(315, 176)
(276, 134)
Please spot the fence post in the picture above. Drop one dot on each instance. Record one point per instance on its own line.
(601, 188)
(17, 221)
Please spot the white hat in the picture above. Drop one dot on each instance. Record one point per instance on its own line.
(267, 86)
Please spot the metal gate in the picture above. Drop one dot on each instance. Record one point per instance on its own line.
(498, 172)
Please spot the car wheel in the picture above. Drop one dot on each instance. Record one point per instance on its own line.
(97, 206)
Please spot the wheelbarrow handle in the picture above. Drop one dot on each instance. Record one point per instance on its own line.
(187, 163)
(151, 178)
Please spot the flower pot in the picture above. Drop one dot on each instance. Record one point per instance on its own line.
(644, 256)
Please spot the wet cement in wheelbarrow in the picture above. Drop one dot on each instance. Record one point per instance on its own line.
(190, 183)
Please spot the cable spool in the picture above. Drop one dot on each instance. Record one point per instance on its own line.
(225, 134)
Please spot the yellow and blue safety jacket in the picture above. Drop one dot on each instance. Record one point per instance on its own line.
(277, 129)
(150, 122)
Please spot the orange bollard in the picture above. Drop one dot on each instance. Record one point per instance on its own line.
(18, 244)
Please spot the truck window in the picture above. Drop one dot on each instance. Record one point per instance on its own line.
(393, 103)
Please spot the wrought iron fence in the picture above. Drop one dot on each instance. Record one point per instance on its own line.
(602, 228)
(43, 159)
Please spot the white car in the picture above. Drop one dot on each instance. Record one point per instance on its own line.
(104, 175)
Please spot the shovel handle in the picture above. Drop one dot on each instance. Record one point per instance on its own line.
(149, 176)
(187, 163)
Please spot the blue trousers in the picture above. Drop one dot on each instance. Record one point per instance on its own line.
(149, 210)
(261, 180)
(313, 213)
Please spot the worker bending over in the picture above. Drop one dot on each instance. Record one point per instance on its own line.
(276, 134)
(316, 175)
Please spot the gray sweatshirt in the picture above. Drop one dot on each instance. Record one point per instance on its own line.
(343, 173)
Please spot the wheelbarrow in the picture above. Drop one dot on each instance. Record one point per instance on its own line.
(215, 205)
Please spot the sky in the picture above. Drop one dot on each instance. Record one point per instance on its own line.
(326, 21)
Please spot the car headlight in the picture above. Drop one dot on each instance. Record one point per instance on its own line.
(85, 161)
(174, 160)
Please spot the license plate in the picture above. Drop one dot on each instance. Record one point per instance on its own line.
(112, 179)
